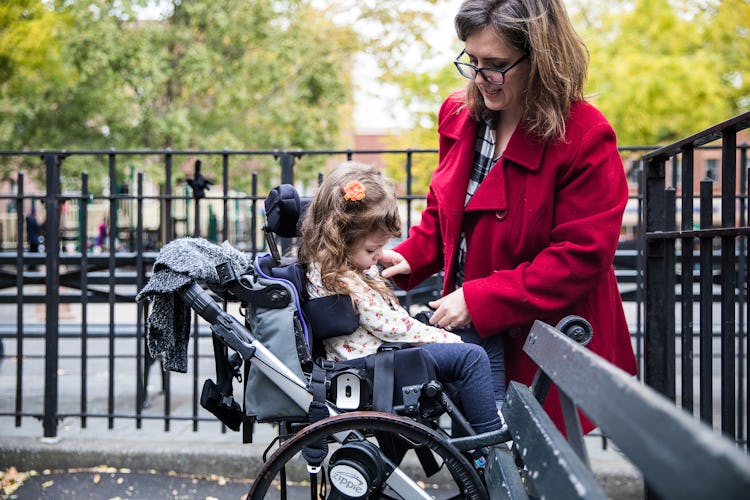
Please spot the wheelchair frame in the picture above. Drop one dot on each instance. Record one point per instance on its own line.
(359, 468)
(346, 428)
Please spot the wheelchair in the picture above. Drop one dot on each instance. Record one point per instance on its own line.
(340, 438)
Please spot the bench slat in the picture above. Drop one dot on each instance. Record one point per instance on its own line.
(502, 475)
(679, 456)
(554, 468)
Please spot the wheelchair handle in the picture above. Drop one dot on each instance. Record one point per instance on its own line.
(227, 327)
(198, 299)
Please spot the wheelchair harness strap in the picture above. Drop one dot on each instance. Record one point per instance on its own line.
(317, 451)
(382, 366)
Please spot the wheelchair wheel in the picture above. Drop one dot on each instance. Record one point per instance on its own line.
(354, 458)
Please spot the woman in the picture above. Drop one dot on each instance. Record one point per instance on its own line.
(525, 207)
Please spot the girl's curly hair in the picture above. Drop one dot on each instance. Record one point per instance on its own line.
(333, 225)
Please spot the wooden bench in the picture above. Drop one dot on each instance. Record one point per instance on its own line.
(679, 456)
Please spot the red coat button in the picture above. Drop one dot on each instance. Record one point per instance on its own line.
(501, 214)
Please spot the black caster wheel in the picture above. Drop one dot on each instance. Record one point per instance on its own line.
(576, 328)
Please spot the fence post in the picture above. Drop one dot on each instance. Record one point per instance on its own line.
(140, 346)
(198, 184)
(52, 325)
(408, 189)
(729, 280)
(287, 168)
(20, 298)
(655, 352)
(742, 300)
(286, 161)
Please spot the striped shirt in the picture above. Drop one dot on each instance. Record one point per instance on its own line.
(483, 163)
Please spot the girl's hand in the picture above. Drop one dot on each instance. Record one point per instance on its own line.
(450, 311)
(394, 263)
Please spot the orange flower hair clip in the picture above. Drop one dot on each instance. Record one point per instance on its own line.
(354, 191)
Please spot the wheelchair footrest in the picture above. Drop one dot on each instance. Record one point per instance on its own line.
(225, 408)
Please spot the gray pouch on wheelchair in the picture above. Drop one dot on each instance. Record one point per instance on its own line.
(281, 329)
(285, 327)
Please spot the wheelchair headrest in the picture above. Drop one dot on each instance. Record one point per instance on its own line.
(284, 210)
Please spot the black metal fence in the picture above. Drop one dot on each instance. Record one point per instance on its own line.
(68, 319)
(696, 271)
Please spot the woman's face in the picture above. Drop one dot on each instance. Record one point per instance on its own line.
(486, 50)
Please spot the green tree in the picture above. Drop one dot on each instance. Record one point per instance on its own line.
(654, 74)
(422, 93)
(31, 65)
(728, 34)
(231, 74)
(659, 70)
(235, 74)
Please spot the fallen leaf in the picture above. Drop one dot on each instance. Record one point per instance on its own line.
(97, 478)
(10, 473)
(47, 484)
(11, 480)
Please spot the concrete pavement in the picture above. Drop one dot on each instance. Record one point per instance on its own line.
(181, 463)
(207, 456)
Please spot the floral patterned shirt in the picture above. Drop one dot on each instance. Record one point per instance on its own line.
(380, 320)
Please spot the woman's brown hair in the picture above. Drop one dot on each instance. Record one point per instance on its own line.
(559, 58)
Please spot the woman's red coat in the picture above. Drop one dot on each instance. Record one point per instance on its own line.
(542, 230)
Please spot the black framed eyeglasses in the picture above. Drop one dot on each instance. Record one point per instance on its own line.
(495, 76)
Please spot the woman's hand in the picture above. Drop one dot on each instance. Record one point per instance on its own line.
(394, 263)
(450, 311)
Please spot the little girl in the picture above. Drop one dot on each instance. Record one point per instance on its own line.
(351, 218)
